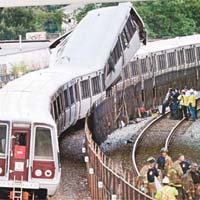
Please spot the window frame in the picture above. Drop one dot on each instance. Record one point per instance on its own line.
(72, 97)
(181, 57)
(84, 94)
(7, 138)
(68, 102)
(95, 83)
(59, 106)
(198, 53)
(77, 91)
(55, 109)
(51, 134)
(161, 61)
(190, 55)
(134, 68)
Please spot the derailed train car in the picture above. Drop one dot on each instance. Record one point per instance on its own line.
(36, 108)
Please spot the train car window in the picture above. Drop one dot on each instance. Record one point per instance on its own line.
(3, 133)
(128, 34)
(85, 89)
(143, 65)
(190, 55)
(96, 85)
(66, 98)
(43, 144)
(58, 104)
(77, 92)
(71, 94)
(131, 27)
(161, 61)
(134, 68)
(61, 102)
(153, 65)
(55, 110)
(52, 112)
(119, 48)
(103, 81)
(126, 74)
(171, 59)
(198, 53)
(181, 59)
(114, 56)
(123, 42)
(20, 139)
(110, 65)
(124, 39)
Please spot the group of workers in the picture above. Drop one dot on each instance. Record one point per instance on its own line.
(164, 179)
(181, 103)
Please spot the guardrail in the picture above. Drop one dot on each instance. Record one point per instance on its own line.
(104, 179)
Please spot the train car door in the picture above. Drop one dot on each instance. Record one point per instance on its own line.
(19, 156)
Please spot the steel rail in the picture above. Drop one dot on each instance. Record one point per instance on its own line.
(139, 138)
(171, 134)
(142, 134)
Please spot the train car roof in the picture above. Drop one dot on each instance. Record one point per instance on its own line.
(28, 97)
(162, 45)
(94, 37)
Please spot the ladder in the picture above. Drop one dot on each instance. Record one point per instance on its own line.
(17, 193)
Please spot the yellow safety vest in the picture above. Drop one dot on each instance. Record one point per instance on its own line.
(166, 193)
(183, 100)
(192, 100)
(186, 100)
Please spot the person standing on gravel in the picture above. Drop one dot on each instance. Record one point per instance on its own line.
(164, 162)
(149, 172)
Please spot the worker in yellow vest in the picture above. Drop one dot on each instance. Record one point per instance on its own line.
(192, 104)
(166, 192)
(183, 103)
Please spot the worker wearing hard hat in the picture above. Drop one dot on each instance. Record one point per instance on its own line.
(166, 192)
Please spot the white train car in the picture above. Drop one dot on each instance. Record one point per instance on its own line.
(163, 56)
(111, 50)
(36, 108)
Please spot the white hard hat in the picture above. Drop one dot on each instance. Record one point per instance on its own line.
(165, 180)
(191, 91)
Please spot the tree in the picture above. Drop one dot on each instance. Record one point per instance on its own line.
(89, 7)
(167, 18)
(48, 19)
(19, 21)
(15, 22)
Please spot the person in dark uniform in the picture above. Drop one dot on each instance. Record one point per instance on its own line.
(191, 182)
(164, 162)
(151, 174)
(185, 164)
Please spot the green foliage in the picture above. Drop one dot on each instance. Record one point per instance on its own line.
(169, 18)
(164, 18)
(19, 21)
(89, 7)
(48, 19)
(15, 22)
(19, 68)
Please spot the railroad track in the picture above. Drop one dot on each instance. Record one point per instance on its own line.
(161, 132)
